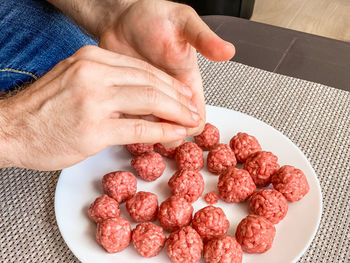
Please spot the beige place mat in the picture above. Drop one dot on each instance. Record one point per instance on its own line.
(313, 116)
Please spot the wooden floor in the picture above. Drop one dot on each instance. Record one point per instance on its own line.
(329, 18)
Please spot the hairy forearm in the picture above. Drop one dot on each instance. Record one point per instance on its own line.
(4, 140)
(92, 15)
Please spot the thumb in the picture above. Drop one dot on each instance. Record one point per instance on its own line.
(202, 38)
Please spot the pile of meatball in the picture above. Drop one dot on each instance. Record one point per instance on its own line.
(206, 232)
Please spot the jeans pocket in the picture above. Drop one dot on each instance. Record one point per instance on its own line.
(12, 78)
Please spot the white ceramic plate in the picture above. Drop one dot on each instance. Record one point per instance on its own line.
(78, 186)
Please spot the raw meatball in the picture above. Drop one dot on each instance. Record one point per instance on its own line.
(209, 137)
(224, 249)
(148, 239)
(210, 222)
(220, 158)
(113, 234)
(174, 213)
(149, 166)
(139, 148)
(165, 151)
(143, 207)
(104, 207)
(291, 182)
(244, 145)
(211, 198)
(270, 204)
(184, 246)
(255, 234)
(189, 156)
(261, 165)
(187, 184)
(235, 185)
(119, 185)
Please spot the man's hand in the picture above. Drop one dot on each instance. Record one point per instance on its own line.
(79, 107)
(166, 34)
(163, 33)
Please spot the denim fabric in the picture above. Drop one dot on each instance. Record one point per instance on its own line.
(34, 37)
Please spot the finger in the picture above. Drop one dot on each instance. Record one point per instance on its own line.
(138, 100)
(201, 37)
(189, 131)
(132, 76)
(197, 130)
(149, 72)
(126, 131)
(193, 77)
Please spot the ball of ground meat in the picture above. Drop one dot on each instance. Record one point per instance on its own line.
(143, 206)
(209, 137)
(148, 239)
(187, 184)
(139, 148)
(174, 213)
(244, 145)
(291, 182)
(210, 222)
(255, 234)
(211, 198)
(119, 185)
(235, 185)
(220, 158)
(113, 234)
(223, 249)
(149, 166)
(261, 166)
(102, 208)
(184, 246)
(189, 156)
(270, 204)
(165, 151)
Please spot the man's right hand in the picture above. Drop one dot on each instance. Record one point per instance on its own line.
(79, 107)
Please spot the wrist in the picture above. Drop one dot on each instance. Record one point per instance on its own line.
(106, 13)
(95, 16)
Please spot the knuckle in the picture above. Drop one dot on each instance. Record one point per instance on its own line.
(184, 109)
(140, 129)
(186, 9)
(66, 62)
(81, 69)
(152, 95)
(85, 51)
(163, 130)
(190, 10)
(151, 78)
(78, 78)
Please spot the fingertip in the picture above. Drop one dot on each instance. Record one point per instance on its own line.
(229, 50)
(219, 50)
(181, 131)
(174, 143)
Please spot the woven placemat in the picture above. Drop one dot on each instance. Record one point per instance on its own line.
(313, 116)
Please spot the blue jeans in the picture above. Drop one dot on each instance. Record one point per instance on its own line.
(34, 37)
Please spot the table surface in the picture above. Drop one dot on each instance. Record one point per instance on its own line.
(313, 116)
(284, 51)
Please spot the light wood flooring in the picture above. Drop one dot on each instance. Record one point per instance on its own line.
(329, 18)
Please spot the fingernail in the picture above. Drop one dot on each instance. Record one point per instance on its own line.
(181, 131)
(187, 91)
(195, 116)
(192, 107)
